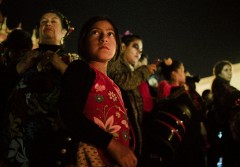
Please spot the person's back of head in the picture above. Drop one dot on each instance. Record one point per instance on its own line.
(18, 40)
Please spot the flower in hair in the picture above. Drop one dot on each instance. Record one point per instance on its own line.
(168, 61)
(127, 33)
(71, 29)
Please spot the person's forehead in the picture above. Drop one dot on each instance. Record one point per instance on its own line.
(227, 66)
(103, 23)
(51, 15)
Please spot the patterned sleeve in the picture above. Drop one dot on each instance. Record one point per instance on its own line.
(77, 82)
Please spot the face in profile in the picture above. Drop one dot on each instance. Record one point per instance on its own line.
(179, 75)
(133, 51)
(51, 27)
(226, 72)
(101, 41)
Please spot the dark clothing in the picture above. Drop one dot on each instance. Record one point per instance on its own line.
(33, 115)
(225, 96)
(9, 78)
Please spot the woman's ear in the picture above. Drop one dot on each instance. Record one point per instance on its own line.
(123, 47)
(64, 32)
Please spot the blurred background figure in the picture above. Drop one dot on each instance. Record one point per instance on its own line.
(18, 41)
(175, 103)
(174, 77)
(128, 78)
(16, 45)
(144, 87)
(225, 116)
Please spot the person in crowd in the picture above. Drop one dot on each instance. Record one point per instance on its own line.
(201, 113)
(174, 76)
(173, 88)
(12, 48)
(92, 108)
(17, 43)
(122, 72)
(144, 87)
(226, 107)
(213, 149)
(32, 104)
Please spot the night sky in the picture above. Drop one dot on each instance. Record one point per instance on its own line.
(198, 32)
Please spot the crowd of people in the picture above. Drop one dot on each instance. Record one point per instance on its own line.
(107, 105)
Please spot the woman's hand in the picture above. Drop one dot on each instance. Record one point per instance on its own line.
(49, 58)
(27, 61)
(122, 154)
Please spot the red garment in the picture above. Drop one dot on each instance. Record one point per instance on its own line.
(164, 89)
(105, 107)
(146, 97)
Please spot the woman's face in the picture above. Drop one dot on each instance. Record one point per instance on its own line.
(50, 29)
(133, 51)
(226, 72)
(101, 42)
(179, 75)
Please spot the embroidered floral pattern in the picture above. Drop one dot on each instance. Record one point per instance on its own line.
(125, 135)
(99, 88)
(99, 98)
(17, 152)
(125, 123)
(112, 96)
(109, 112)
(108, 125)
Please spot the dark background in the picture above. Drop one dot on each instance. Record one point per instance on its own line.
(197, 32)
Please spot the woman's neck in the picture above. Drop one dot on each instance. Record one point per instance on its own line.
(49, 42)
(100, 66)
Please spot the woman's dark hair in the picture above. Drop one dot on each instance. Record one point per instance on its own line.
(219, 66)
(18, 40)
(167, 69)
(65, 22)
(127, 39)
(84, 32)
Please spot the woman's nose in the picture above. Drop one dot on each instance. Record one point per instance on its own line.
(103, 38)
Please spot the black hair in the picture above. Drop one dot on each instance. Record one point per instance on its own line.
(18, 40)
(127, 39)
(84, 32)
(167, 69)
(205, 93)
(194, 78)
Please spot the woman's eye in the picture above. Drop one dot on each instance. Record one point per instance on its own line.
(94, 32)
(111, 34)
(43, 21)
(136, 46)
